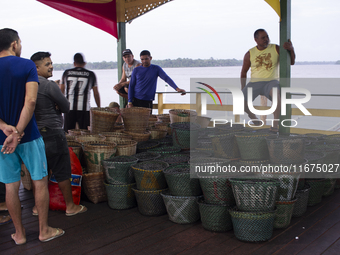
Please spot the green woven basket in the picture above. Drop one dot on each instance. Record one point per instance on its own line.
(175, 158)
(225, 145)
(252, 226)
(147, 145)
(150, 203)
(255, 195)
(166, 150)
(285, 149)
(185, 134)
(300, 206)
(331, 150)
(217, 190)
(252, 146)
(316, 190)
(120, 196)
(329, 185)
(215, 217)
(147, 156)
(283, 213)
(149, 175)
(182, 209)
(118, 169)
(179, 181)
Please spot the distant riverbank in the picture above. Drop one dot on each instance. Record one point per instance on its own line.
(182, 62)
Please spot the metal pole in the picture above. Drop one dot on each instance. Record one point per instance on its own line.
(285, 33)
(121, 45)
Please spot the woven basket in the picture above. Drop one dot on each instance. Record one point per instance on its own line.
(252, 226)
(147, 156)
(116, 134)
(217, 190)
(331, 151)
(102, 119)
(255, 195)
(166, 150)
(76, 132)
(149, 175)
(147, 145)
(157, 133)
(314, 157)
(179, 181)
(76, 147)
(185, 134)
(136, 119)
(121, 196)
(126, 148)
(215, 217)
(208, 167)
(94, 188)
(163, 118)
(118, 169)
(176, 158)
(96, 152)
(316, 190)
(225, 145)
(300, 206)
(150, 203)
(181, 209)
(227, 128)
(180, 115)
(26, 177)
(285, 149)
(252, 146)
(139, 137)
(283, 213)
(203, 121)
(90, 138)
(329, 185)
(162, 126)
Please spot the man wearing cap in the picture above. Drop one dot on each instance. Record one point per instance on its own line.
(76, 85)
(143, 82)
(130, 63)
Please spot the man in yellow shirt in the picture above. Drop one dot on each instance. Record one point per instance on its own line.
(263, 60)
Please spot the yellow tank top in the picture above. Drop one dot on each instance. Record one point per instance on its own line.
(264, 64)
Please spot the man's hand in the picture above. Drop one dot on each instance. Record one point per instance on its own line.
(10, 143)
(130, 105)
(181, 91)
(9, 130)
(118, 86)
(288, 46)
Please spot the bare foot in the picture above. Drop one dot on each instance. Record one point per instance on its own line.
(51, 234)
(77, 209)
(34, 211)
(19, 240)
(5, 219)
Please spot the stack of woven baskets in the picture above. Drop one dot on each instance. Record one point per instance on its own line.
(184, 192)
(120, 181)
(150, 183)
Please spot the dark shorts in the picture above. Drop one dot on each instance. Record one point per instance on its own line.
(142, 103)
(57, 153)
(70, 119)
(261, 88)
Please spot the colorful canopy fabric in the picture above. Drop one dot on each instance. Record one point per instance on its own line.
(100, 14)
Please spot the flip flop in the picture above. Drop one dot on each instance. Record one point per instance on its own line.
(82, 210)
(12, 235)
(35, 213)
(7, 221)
(59, 233)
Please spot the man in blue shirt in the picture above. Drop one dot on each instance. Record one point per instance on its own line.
(143, 82)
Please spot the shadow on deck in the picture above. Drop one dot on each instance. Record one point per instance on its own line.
(102, 230)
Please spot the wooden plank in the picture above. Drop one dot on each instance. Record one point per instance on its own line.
(334, 249)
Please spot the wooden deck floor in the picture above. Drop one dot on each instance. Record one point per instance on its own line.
(102, 230)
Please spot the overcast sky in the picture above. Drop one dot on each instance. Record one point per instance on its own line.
(221, 29)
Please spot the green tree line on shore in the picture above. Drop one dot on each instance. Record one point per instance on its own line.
(181, 62)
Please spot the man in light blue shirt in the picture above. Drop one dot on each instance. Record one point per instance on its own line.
(143, 82)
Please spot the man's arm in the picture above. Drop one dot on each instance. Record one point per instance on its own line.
(245, 68)
(132, 85)
(58, 98)
(123, 81)
(26, 114)
(96, 95)
(289, 46)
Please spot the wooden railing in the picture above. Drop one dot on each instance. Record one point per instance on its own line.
(161, 106)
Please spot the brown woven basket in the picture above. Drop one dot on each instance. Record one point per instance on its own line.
(90, 138)
(95, 152)
(94, 188)
(116, 134)
(118, 139)
(102, 119)
(75, 132)
(139, 137)
(203, 121)
(162, 126)
(157, 133)
(76, 147)
(85, 132)
(181, 115)
(136, 119)
(126, 148)
(163, 118)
